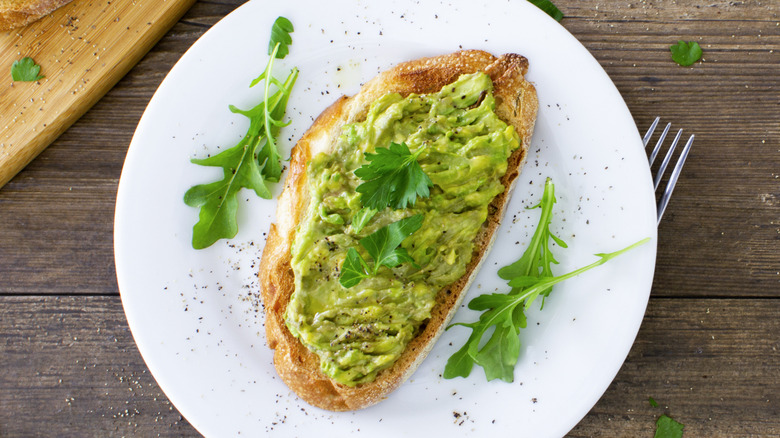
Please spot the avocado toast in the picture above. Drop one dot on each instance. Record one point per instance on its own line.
(468, 117)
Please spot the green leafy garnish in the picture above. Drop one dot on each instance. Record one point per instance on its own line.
(26, 70)
(535, 262)
(529, 278)
(383, 247)
(666, 427)
(684, 53)
(652, 401)
(362, 217)
(548, 7)
(393, 178)
(280, 35)
(251, 163)
(537, 258)
(505, 311)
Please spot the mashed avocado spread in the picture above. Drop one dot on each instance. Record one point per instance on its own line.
(362, 330)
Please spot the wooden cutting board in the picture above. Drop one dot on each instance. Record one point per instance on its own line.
(83, 48)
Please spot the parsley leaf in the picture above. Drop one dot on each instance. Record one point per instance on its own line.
(666, 427)
(362, 217)
(251, 163)
(393, 178)
(548, 7)
(280, 34)
(383, 247)
(354, 269)
(26, 70)
(684, 53)
(652, 401)
(529, 278)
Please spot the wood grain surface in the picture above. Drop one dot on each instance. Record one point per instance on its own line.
(86, 46)
(708, 347)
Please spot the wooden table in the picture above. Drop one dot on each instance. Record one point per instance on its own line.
(708, 347)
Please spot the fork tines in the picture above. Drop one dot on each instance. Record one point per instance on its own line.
(667, 193)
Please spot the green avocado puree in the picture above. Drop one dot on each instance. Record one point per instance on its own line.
(360, 331)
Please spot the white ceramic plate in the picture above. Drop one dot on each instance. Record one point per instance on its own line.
(196, 317)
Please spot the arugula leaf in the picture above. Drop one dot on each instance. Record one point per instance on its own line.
(500, 354)
(684, 53)
(272, 119)
(548, 7)
(383, 247)
(499, 363)
(537, 258)
(251, 163)
(666, 427)
(393, 178)
(461, 363)
(217, 200)
(534, 262)
(280, 35)
(26, 70)
(529, 277)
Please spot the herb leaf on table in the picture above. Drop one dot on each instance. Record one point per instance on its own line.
(652, 402)
(26, 70)
(548, 7)
(684, 53)
(667, 427)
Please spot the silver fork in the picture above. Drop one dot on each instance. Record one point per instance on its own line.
(664, 201)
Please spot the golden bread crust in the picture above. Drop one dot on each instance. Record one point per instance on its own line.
(17, 13)
(299, 368)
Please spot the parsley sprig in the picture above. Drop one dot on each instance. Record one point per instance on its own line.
(383, 247)
(393, 178)
(529, 278)
(251, 163)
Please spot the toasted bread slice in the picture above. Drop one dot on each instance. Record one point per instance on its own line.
(17, 13)
(299, 368)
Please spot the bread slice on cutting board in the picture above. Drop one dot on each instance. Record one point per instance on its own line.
(17, 13)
